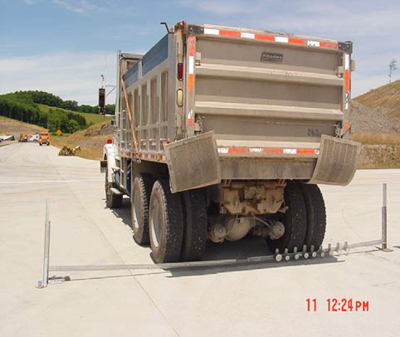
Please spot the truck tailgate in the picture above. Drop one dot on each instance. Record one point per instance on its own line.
(266, 95)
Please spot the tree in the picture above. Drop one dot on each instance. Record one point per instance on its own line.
(73, 126)
(392, 67)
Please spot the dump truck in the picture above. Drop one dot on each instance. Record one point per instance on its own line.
(223, 132)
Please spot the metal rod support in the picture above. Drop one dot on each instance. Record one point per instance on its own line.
(46, 257)
(384, 218)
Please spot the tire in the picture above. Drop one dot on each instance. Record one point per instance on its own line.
(166, 223)
(294, 220)
(316, 215)
(140, 200)
(40, 144)
(112, 200)
(195, 225)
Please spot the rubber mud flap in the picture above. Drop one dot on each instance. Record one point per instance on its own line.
(337, 161)
(193, 162)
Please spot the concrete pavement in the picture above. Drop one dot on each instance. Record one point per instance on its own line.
(235, 301)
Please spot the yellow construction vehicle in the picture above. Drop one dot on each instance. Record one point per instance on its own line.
(44, 138)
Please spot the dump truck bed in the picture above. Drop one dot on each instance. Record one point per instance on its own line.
(267, 98)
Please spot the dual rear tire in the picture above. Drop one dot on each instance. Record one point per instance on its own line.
(175, 225)
(304, 219)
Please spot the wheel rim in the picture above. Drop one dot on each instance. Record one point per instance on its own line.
(136, 208)
(155, 223)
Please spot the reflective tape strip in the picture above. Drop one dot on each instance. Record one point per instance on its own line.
(347, 81)
(280, 39)
(296, 41)
(225, 150)
(347, 62)
(264, 37)
(191, 64)
(238, 150)
(331, 45)
(210, 31)
(248, 35)
(152, 157)
(289, 151)
(313, 43)
(229, 33)
(190, 82)
(192, 41)
(273, 150)
(190, 119)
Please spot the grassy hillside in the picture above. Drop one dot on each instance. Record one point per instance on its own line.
(12, 126)
(386, 97)
(90, 118)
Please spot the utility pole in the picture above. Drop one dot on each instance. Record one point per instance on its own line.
(392, 67)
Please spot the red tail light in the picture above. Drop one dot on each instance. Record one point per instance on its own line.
(109, 141)
(180, 71)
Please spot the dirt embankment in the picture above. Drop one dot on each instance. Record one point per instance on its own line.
(91, 140)
(375, 118)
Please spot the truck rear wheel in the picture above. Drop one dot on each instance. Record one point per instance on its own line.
(140, 200)
(294, 220)
(316, 215)
(112, 200)
(166, 223)
(195, 225)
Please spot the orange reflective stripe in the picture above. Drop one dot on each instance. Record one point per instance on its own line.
(347, 80)
(229, 33)
(264, 37)
(296, 41)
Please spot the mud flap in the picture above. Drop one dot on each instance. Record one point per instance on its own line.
(337, 161)
(193, 162)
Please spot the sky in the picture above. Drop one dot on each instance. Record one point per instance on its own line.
(63, 46)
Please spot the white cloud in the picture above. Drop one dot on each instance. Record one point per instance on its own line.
(72, 76)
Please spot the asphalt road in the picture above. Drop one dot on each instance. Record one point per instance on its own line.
(257, 300)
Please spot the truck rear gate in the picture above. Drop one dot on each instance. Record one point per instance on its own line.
(267, 97)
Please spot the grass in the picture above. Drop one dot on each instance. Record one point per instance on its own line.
(90, 118)
(376, 139)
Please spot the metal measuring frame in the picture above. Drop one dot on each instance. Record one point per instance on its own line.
(298, 254)
(384, 221)
(46, 256)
